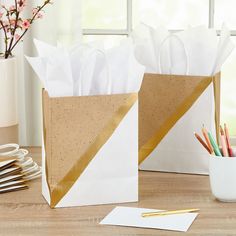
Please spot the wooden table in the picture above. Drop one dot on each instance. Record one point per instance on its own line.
(26, 212)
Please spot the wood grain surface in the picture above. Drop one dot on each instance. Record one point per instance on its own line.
(26, 212)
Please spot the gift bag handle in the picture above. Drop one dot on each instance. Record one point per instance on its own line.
(185, 52)
(95, 51)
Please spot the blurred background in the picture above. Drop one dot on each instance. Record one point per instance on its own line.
(73, 21)
(113, 20)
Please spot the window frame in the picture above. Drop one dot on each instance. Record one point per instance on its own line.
(119, 32)
(129, 23)
(129, 27)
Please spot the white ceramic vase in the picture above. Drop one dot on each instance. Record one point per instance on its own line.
(8, 101)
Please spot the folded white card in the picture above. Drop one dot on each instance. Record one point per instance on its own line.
(128, 216)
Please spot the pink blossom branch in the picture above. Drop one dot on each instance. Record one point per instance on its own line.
(8, 17)
(14, 30)
(6, 41)
(31, 21)
(13, 22)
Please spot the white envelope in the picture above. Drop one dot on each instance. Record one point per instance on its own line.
(131, 217)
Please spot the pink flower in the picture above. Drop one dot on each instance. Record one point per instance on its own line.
(38, 14)
(20, 9)
(13, 22)
(12, 8)
(25, 24)
(17, 37)
(5, 23)
(1, 14)
(34, 11)
(22, 3)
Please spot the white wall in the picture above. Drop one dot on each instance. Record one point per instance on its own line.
(60, 24)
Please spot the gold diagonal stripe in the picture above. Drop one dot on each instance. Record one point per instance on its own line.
(216, 82)
(75, 172)
(148, 147)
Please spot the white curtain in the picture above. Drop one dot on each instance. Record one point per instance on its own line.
(61, 23)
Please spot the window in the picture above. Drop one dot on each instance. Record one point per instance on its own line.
(113, 20)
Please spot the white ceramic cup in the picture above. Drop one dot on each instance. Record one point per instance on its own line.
(222, 172)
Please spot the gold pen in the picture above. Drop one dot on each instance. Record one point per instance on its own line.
(165, 213)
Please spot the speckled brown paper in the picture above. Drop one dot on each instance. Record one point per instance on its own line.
(71, 124)
(161, 95)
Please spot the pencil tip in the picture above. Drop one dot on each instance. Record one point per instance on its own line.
(221, 130)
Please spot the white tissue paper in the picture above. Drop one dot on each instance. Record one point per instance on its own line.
(85, 70)
(195, 51)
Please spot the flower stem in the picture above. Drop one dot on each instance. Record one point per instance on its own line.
(31, 21)
(6, 41)
(15, 27)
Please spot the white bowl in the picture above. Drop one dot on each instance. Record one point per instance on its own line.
(222, 172)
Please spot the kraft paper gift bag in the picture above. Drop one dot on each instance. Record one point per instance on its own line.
(180, 93)
(90, 150)
(90, 114)
(171, 109)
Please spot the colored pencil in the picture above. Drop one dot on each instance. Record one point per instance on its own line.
(202, 142)
(214, 145)
(223, 143)
(205, 134)
(228, 141)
